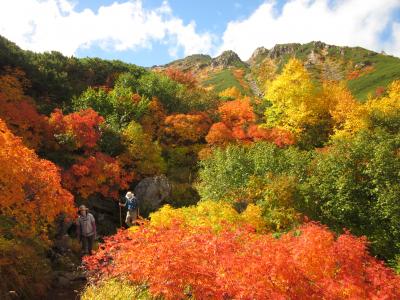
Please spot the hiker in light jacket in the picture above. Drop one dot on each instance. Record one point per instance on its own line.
(132, 205)
(86, 229)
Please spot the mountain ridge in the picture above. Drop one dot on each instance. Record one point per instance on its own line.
(363, 70)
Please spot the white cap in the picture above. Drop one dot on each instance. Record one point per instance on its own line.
(129, 195)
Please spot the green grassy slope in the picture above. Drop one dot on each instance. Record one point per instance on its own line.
(223, 80)
(387, 69)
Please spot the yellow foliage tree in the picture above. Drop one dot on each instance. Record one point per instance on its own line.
(383, 111)
(209, 214)
(231, 93)
(292, 97)
(336, 99)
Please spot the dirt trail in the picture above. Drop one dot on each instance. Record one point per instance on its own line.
(70, 291)
(68, 282)
(253, 86)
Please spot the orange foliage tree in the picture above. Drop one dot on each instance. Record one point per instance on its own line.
(153, 118)
(219, 134)
(99, 173)
(186, 128)
(238, 123)
(30, 188)
(19, 111)
(237, 113)
(185, 78)
(78, 130)
(278, 136)
(310, 263)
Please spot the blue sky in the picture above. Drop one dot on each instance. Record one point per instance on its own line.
(151, 32)
(210, 16)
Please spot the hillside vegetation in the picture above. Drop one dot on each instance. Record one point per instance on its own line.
(280, 174)
(364, 71)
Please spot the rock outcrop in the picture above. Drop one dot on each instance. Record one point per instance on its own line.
(192, 63)
(280, 50)
(227, 59)
(258, 56)
(151, 192)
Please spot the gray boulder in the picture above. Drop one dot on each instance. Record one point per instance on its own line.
(151, 193)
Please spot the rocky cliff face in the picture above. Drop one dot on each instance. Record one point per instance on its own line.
(280, 50)
(227, 59)
(197, 62)
(258, 55)
(311, 51)
(191, 63)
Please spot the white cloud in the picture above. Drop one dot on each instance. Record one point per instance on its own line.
(393, 46)
(346, 23)
(44, 25)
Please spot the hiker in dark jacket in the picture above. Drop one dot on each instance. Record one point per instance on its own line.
(132, 206)
(86, 229)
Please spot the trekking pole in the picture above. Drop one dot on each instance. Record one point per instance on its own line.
(120, 215)
(137, 215)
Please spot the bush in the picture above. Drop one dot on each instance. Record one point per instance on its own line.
(24, 267)
(114, 289)
(395, 263)
(118, 106)
(277, 196)
(209, 214)
(354, 185)
(311, 263)
(225, 173)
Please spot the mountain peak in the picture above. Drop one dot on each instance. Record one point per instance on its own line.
(227, 58)
(259, 54)
(192, 62)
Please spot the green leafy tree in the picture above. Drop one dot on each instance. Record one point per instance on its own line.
(119, 106)
(161, 86)
(227, 171)
(354, 185)
(141, 154)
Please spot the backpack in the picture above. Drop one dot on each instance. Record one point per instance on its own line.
(132, 204)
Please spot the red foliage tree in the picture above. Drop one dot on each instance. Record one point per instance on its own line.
(82, 127)
(98, 173)
(379, 91)
(30, 188)
(185, 78)
(19, 111)
(279, 137)
(238, 124)
(311, 264)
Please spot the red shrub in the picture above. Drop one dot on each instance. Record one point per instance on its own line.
(82, 125)
(98, 173)
(244, 265)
